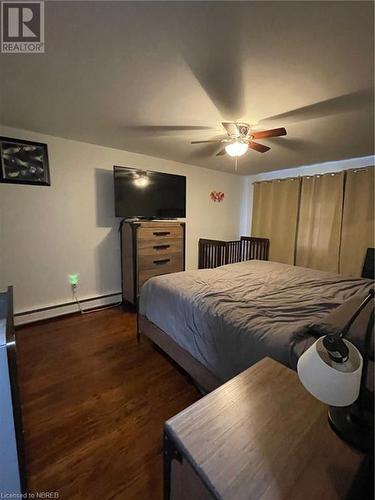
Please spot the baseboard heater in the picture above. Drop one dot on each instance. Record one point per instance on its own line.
(53, 311)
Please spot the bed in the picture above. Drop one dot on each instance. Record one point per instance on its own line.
(216, 323)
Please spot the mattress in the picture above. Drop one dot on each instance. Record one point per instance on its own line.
(230, 317)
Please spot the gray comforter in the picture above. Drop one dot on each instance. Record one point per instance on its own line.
(230, 317)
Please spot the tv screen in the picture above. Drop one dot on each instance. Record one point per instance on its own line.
(147, 194)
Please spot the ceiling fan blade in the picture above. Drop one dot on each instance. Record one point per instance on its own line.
(169, 128)
(204, 142)
(275, 132)
(258, 147)
(214, 56)
(204, 151)
(231, 128)
(154, 131)
(222, 152)
(336, 105)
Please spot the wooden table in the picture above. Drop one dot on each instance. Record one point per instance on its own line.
(259, 436)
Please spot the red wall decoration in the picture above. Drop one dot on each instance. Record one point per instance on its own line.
(217, 196)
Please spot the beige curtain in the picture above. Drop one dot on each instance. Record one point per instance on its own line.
(320, 217)
(358, 220)
(275, 211)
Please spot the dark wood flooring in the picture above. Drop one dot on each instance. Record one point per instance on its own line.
(94, 403)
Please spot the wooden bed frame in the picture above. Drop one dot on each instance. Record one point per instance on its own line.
(201, 375)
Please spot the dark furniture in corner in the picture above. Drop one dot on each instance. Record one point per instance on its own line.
(149, 249)
(12, 466)
(261, 435)
(215, 253)
(368, 266)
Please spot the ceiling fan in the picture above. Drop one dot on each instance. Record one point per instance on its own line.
(241, 138)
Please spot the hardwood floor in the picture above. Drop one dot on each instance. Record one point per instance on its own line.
(94, 403)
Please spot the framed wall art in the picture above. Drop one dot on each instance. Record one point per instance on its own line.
(24, 162)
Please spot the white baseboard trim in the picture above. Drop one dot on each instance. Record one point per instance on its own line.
(33, 315)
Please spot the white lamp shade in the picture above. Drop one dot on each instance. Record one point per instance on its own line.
(336, 384)
(236, 148)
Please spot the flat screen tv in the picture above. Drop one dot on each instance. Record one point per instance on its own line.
(149, 195)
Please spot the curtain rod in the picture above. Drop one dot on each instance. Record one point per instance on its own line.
(307, 176)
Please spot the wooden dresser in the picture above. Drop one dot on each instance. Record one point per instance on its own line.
(149, 249)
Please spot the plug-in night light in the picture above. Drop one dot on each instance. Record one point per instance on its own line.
(74, 279)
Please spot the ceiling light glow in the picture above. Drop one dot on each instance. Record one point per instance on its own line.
(142, 181)
(236, 148)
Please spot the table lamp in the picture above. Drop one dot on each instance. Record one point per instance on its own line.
(335, 372)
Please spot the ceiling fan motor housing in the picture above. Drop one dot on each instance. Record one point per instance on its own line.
(243, 130)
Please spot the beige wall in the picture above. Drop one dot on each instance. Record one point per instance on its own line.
(48, 232)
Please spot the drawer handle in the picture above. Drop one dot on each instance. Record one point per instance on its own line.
(161, 247)
(161, 261)
(161, 233)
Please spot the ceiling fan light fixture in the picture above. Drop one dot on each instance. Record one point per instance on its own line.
(236, 148)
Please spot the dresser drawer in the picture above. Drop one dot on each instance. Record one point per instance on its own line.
(155, 248)
(157, 233)
(146, 274)
(166, 263)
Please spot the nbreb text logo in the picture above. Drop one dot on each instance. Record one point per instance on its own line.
(22, 27)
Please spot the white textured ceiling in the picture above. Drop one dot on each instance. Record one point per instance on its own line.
(145, 76)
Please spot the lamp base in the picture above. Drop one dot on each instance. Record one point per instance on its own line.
(353, 426)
